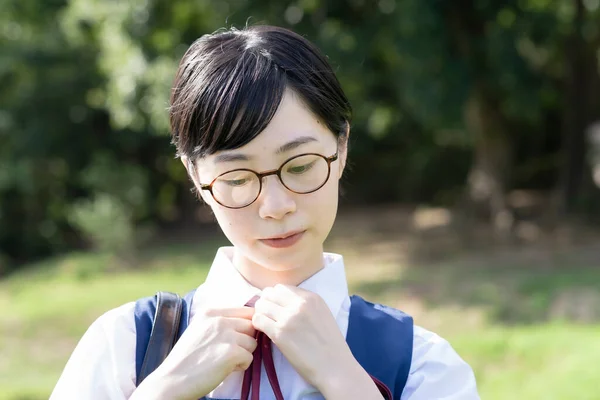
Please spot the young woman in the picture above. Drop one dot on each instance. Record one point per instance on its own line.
(261, 124)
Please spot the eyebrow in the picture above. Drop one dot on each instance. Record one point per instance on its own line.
(295, 143)
(230, 157)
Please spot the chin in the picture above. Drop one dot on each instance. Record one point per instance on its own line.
(285, 259)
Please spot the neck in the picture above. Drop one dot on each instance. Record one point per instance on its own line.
(261, 276)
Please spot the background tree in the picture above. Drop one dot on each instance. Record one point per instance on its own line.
(451, 98)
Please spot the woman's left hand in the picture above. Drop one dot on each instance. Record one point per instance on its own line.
(300, 323)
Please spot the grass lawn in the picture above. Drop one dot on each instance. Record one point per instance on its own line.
(529, 332)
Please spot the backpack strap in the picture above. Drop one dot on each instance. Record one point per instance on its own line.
(381, 340)
(185, 312)
(166, 310)
(162, 337)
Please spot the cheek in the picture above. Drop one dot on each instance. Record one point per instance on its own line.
(322, 207)
(233, 223)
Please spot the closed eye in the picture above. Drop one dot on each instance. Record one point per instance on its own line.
(236, 182)
(301, 169)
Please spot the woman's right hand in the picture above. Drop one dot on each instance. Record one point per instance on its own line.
(216, 343)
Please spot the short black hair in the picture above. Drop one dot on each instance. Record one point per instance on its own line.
(229, 85)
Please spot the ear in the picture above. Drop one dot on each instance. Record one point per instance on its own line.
(343, 149)
(193, 174)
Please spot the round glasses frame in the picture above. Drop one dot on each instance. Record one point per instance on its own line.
(277, 172)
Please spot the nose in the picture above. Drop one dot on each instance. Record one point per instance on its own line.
(275, 201)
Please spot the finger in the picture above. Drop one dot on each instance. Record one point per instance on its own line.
(245, 359)
(298, 291)
(272, 310)
(246, 342)
(280, 294)
(236, 312)
(294, 296)
(265, 324)
(243, 325)
(294, 293)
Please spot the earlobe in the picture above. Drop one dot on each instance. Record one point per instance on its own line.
(205, 196)
(343, 150)
(342, 159)
(201, 194)
(186, 164)
(190, 169)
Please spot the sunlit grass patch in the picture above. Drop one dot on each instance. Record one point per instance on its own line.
(481, 311)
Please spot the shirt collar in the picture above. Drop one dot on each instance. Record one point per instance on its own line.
(330, 282)
(226, 287)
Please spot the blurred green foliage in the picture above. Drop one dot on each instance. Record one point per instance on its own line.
(85, 86)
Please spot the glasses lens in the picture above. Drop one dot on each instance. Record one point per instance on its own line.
(305, 173)
(236, 188)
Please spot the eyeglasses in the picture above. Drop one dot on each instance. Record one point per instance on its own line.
(302, 174)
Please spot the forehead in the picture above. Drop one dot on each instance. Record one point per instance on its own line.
(292, 121)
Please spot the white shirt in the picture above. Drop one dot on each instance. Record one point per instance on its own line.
(103, 363)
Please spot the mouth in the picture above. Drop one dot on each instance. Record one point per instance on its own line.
(286, 240)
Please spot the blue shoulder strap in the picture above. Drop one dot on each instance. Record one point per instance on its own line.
(381, 340)
(144, 312)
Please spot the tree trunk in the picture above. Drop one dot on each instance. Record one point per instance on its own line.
(575, 117)
(493, 153)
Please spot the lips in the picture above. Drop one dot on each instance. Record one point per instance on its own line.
(286, 240)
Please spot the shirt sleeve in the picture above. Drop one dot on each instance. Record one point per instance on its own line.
(437, 371)
(102, 366)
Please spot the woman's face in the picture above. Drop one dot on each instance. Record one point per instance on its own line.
(278, 212)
